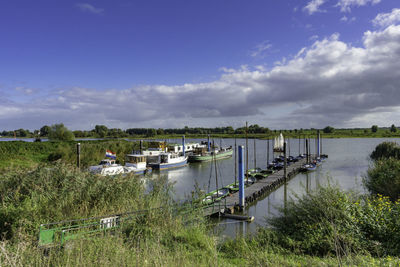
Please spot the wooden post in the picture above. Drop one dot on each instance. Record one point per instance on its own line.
(284, 161)
(78, 155)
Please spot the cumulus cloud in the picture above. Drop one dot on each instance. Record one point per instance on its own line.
(314, 6)
(386, 19)
(85, 7)
(327, 83)
(346, 5)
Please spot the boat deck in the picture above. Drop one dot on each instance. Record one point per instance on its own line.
(255, 191)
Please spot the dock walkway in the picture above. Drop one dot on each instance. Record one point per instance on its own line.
(255, 191)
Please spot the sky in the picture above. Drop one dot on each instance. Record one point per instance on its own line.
(284, 64)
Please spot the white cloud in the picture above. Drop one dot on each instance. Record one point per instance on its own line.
(386, 19)
(328, 83)
(345, 5)
(314, 6)
(85, 7)
(260, 50)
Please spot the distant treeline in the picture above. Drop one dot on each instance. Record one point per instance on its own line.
(102, 131)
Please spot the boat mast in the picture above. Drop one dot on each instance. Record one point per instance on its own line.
(255, 159)
(215, 165)
(247, 152)
(235, 161)
(267, 153)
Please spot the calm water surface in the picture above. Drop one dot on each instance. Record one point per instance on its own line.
(347, 163)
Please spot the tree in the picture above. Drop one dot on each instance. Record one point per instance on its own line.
(44, 131)
(374, 128)
(328, 129)
(101, 130)
(393, 128)
(58, 132)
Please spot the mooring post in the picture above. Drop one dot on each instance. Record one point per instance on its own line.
(78, 155)
(183, 145)
(208, 143)
(284, 161)
(241, 178)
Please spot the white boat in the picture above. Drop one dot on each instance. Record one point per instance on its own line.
(107, 167)
(136, 163)
(279, 143)
(169, 160)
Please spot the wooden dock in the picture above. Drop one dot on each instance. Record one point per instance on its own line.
(255, 191)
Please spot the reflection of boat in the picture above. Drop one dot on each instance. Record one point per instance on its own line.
(233, 187)
(169, 160)
(136, 164)
(202, 154)
(279, 143)
(107, 167)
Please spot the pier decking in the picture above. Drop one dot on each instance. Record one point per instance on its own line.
(256, 190)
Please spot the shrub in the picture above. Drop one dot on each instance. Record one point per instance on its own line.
(386, 150)
(384, 178)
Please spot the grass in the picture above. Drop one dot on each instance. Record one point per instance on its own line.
(326, 227)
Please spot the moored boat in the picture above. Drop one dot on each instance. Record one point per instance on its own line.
(136, 164)
(279, 143)
(107, 167)
(215, 196)
(169, 160)
(201, 154)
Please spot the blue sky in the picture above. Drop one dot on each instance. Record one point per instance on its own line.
(281, 64)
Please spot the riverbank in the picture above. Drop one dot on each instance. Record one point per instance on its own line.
(164, 237)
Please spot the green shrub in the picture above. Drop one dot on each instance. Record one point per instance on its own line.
(384, 178)
(329, 221)
(386, 150)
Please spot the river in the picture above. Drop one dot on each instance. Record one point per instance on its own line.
(348, 161)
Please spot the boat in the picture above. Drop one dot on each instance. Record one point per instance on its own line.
(215, 196)
(169, 160)
(107, 167)
(279, 143)
(308, 167)
(233, 187)
(202, 154)
(136, 164)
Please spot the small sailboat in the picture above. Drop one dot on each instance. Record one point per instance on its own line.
(279, 143)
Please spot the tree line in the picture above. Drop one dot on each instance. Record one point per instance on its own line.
(60, 131)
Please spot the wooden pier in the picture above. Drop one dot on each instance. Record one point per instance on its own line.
(255, 191)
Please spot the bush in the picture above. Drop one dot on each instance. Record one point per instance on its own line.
(329, 221)
(58, 132)
(384, 178)
(386, 150)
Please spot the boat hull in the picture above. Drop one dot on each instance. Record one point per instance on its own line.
(166, 166)
(204, 158)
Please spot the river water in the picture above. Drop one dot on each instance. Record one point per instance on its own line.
(347, 163)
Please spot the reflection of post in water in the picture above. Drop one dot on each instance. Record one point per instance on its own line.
(308, 182)
(284, 196)
(268, 206)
